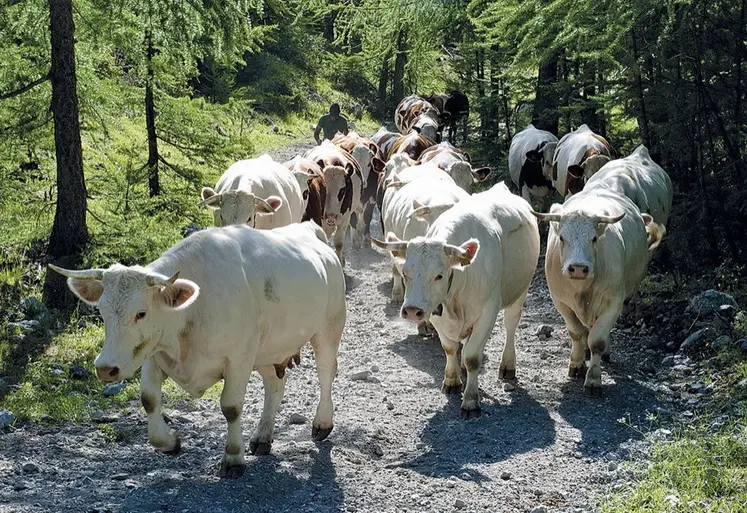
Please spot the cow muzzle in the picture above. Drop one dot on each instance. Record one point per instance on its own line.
(108, 373)
(330, 219)
(577, 271)
(413, 313)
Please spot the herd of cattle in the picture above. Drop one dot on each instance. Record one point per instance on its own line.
(217, 304)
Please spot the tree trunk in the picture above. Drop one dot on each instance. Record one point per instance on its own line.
(154, 185)
(383, 81)
(546, 102)
(69, 231)
(400, 62)
(643, 124)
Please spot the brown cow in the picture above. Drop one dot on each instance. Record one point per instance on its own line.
(412, 144)
(317, 193)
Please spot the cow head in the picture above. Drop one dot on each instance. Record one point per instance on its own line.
(365, 158)
(577, 236)
(543, 155)
(428, 271)
(428, 213)
(138, 306)
(574, 180)
(339, 194)
(238, 206)
(593, 161)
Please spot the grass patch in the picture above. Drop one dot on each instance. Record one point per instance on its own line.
(698, 472)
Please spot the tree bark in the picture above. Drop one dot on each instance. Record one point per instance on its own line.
(154, 185)
(69, 231)
(643, 124)
(400, 62)
(383, 81)
(546, 102)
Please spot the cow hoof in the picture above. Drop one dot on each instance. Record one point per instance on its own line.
(606, 358)
(260, 448)
(451, 389)
(470, 414)
(592, 390)
(231, 470)
(504, 373)
(174, 451)
(318, 434)
(577, 372)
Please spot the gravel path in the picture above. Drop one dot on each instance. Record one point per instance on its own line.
(398, 443)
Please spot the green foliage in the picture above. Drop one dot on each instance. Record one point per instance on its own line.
(699, 472)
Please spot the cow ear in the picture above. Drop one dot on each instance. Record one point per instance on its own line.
(88, 290)
(533, 155)
(268, 205)
(210, 198)
(378, 165)
(480, 174)
(463, 255)
(647, 219)
(179, 295)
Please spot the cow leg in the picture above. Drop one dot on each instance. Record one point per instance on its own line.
(367, 217)
(160, 435)
(326, 346)
(511, 318)
(579, 336)
(339, 240)
(232, 404)
(398, 286)
(599, 343)
(472, 354)
(260, 442)
(452, 383)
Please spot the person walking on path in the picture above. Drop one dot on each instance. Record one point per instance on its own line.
(331, 124)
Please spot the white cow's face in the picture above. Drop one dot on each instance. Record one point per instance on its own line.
(427, 271)
(578, 236)
(547, 158)
(137, 307)
(364, 156)
(239, 207)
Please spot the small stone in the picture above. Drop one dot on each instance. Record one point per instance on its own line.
(727, 311)
(46, 418)
(120, 477)
(82, 324)
(710, 302)
(113, 389)
(545, 330)
(544, 355)
(612, 466)
(374, 368)
(389, 405)
(508, 387)
(297, 418)
(721, 342)
(58, 372)
(742, 344)
(459, 504)
(30, 467)
(464, 476)
(97, 415)
(6, 418)
(420, 446)
(78, 372)
(538, 509)
(694, 341)
(505, 475)
(377, 450)
(672, 500)
(360, 376)
(21, 485)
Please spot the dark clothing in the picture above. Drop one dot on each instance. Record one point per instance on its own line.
(331, 126)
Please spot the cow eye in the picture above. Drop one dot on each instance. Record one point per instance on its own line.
(562, 240)
(140, 315)
(341, 194)
(305, 195)
(440, 277)
(594, 239)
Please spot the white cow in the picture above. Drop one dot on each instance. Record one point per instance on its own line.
(259, 192)
(530, 158)
(215, 306)
(641, 179)
(597, 251)
(578, 155)
(456, 164)
(476, 259)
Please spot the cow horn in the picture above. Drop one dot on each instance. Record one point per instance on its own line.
(157, 281)
(211, 200)
(87, 274)
(397, 246)
(608, 219)
(547, 217)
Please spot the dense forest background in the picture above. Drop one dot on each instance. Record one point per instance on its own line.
(165, 94)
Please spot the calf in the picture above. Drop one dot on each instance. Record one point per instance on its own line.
(215, 306)
(597, 251)
(259, 192)
(642, 180)
(577, 157)
(530, 158)
(476, 259)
